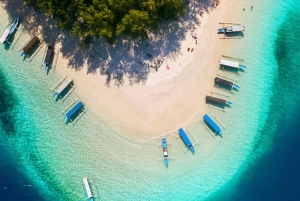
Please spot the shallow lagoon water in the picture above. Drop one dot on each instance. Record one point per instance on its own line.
(53, 157)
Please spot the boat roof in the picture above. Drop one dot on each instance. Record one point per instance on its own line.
(50, 49)
(215, 100)
(236, 28)
(224, 82)
(63, 86)
(4, 35)
(184, 137)
(31, 43)
(212, 123)
(229, 63)
(74, 109)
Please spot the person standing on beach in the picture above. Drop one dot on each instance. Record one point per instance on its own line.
(251, 7)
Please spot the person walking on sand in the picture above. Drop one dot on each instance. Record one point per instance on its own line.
(251, 7)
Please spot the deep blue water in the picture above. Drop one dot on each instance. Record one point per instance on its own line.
(276, 174)
(13, 184)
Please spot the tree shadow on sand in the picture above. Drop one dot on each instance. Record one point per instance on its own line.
(130, 59)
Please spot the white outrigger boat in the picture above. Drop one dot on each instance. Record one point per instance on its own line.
(231, 29)
(90, 196)
(7, 33)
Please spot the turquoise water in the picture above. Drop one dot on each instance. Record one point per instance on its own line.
(54, 157)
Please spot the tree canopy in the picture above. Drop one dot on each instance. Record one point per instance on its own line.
(88, 19)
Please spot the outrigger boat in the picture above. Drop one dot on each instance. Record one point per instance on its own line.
(88, 189)
(212, 124)
(7, 33)
(232, 64)
(62, 87)
(29, 45)
(165, 151)
(50, 50)
(211, 99)
(231, 29)
(73, 111)
(226, 83)
(186, 140)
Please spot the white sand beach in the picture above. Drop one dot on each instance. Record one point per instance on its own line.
(169, 97)
(144, 102)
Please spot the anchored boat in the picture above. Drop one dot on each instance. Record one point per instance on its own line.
(88, 189)
(210, 99)
(231, 29)
(73, 110)
(165, 151)
(29, 45)
(50, 50)
(62, 87)
(212, 124)
(7, 33)
(226, 83)
(186, 140)
(232, 64)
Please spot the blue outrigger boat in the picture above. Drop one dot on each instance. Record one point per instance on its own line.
(165, 151)
(186, 140)
(213, 125)
(49, 54)
(73, 111)
(7, 33)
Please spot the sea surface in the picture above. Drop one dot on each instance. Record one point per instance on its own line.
(42, 158)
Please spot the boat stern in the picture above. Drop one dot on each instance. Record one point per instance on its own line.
(236, 86)
(166, 162)
(222, 30)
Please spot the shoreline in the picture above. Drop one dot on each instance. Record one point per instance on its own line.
(181, 93)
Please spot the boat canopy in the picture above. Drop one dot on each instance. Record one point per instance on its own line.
(224, 82)
(215, 100)
(73, 110)
(185, 138)
(29, 45)
(50, 50)
(235, 28)
(62, 87)
(212, 124)
(4, 36)
(229, 63)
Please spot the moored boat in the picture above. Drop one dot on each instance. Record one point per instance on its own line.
(48, 57)
(212, 124)
(34, 40)
(186, 140)
(231, 29)
(165, 151)
(7, 33)
(226, 83)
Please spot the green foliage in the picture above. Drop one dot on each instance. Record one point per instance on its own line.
(89, 19)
